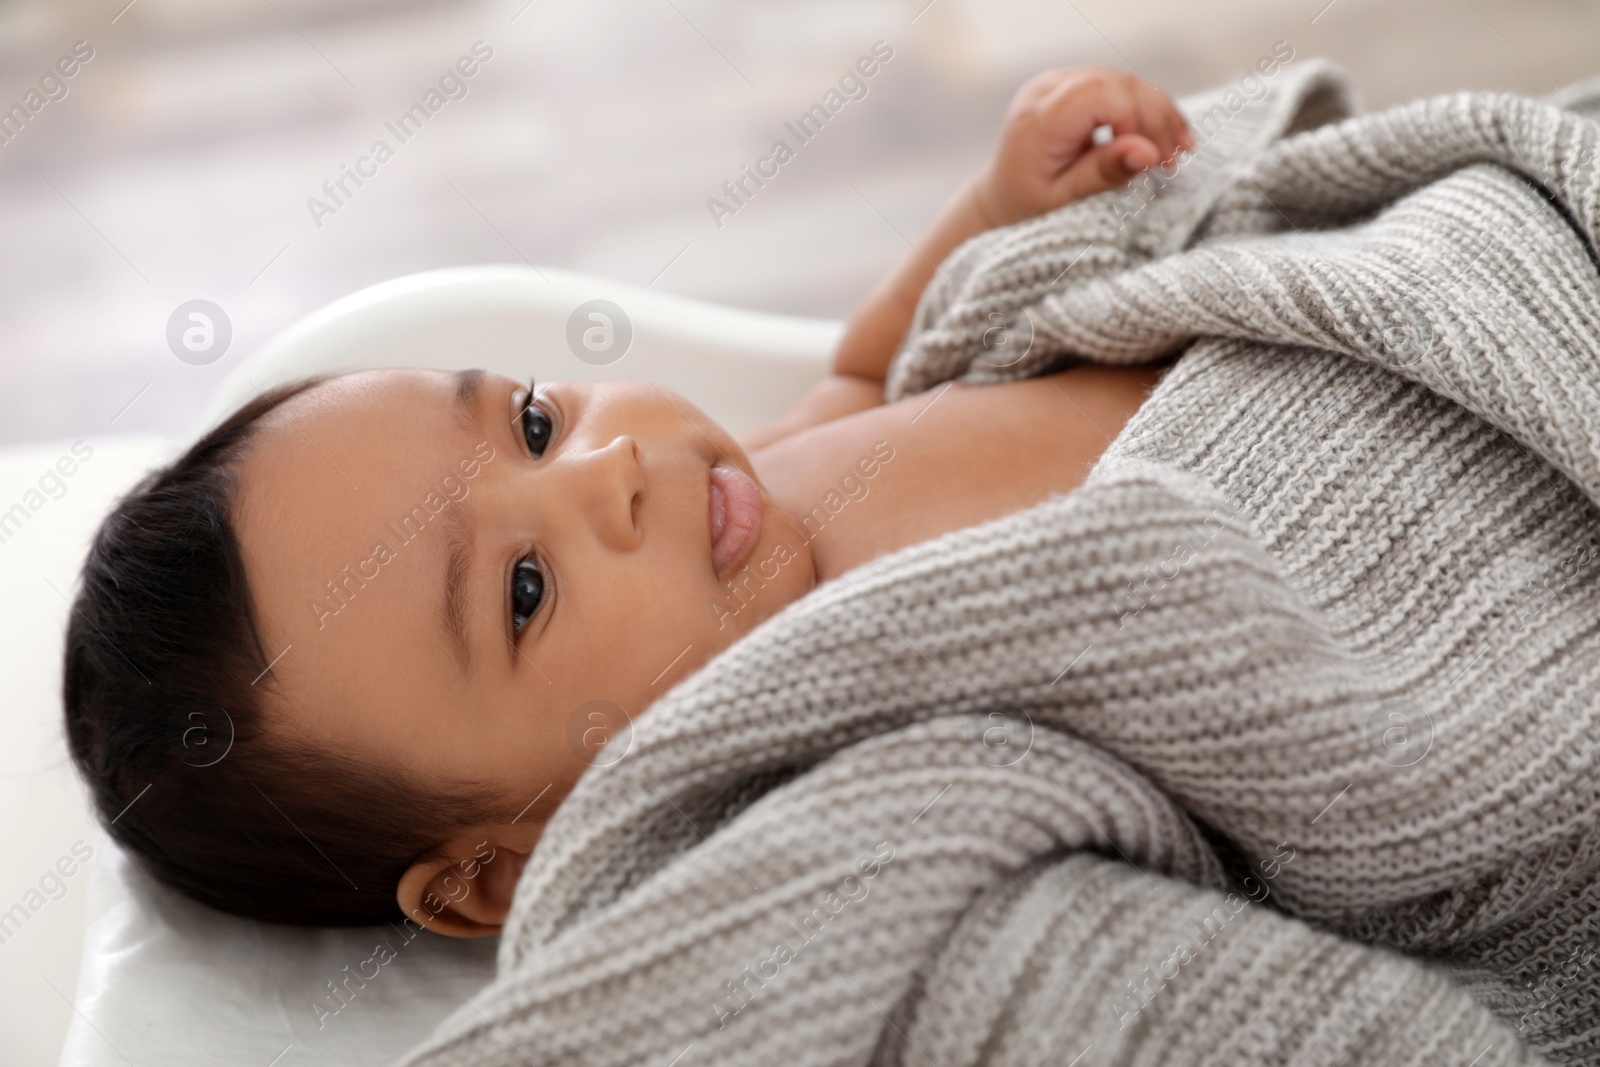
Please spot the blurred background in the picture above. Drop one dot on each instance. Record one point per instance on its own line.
(176, 164)
(179, 163)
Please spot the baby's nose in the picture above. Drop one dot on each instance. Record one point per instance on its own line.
(613, 485)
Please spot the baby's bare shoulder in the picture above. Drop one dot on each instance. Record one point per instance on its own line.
(950, 457)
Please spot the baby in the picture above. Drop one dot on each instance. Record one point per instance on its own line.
(337, 657)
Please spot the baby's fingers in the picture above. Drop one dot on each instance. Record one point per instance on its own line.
(1161, 121)
(1084, 100)
(1108, 166)
(1164, 114)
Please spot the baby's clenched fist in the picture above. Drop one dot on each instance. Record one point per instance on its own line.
(1046, 156)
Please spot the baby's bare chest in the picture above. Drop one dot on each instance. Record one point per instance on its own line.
(895, 475)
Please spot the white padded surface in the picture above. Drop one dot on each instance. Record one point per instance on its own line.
(743, 368)
(165, 981)
(45, 806)
(169, 982)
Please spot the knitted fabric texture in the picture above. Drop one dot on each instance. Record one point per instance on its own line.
(1274, 743)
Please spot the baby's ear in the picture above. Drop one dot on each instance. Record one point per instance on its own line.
(466, 890)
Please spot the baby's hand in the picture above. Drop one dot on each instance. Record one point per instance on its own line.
(1046, 156)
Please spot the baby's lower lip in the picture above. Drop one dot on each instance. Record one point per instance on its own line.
(735, 517)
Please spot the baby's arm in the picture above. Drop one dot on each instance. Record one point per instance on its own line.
(1045, 157)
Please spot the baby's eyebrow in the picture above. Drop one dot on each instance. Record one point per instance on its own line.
(458, 528)
(457, 572)
(465, 401)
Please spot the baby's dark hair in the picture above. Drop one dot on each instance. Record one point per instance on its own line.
(164, 692)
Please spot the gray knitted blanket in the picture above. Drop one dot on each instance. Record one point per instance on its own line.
(1275, 743)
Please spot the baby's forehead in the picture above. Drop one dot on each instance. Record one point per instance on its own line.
(352, 394)
(361, 415)
(325, 505)
(327, 467)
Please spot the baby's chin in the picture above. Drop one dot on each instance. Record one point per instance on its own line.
(788, 533)
(775, 571)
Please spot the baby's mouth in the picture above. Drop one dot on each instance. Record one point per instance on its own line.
(735, 513)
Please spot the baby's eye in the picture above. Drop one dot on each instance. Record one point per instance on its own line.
(536, 430)
(527, 591)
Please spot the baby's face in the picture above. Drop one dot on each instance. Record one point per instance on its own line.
(459, 578)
